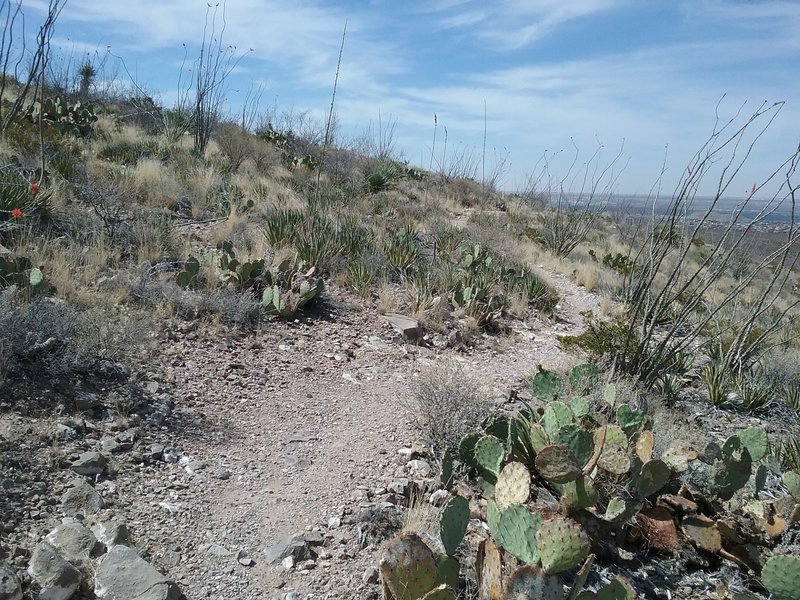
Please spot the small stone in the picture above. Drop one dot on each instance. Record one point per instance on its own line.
(288, 563)
(110, 445)
(243, 558)
(371, 575)
(112, 533)
(419, 468)
(334, 522)
(89, 464)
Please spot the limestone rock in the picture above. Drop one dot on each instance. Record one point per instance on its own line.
(74, 541)
(57, 578)
(112, 533)
(122, 573)
(81, 498)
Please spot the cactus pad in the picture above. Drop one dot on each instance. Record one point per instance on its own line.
(678, 458)
(466, 449)
(453, 524)
(546, 385)
(513, 485)
(408, 568)
(489, 454)
(614, 459)
(756, 441)
(516, 532)
(532, 583)
(610, 434)
(489, 567)
(578, 494)
(538, 437)
(497, 425)
(562, 544)
(781, 576)
(653, 476)
(791, 479)
(556, 415)
(580, 406)
(581, 377)
(557, 464)
(616, 508)
(581, 577)
(734, 470)
(447, 569)
(629, 419)
(576, 439)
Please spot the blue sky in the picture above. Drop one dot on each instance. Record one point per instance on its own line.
(552, 73)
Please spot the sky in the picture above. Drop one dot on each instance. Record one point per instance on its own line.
(629, 87)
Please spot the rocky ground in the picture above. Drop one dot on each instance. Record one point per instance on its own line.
(263, 464)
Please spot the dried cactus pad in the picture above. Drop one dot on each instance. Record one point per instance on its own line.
(513, 485)
(489, 567)
(781, 576)
(562, 544)
(653, 476)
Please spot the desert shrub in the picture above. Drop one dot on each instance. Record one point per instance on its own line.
(127, 152)
(447, 404)
(235, 144)
(48, 340)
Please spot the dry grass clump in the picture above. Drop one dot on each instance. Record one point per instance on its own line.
(447, 404)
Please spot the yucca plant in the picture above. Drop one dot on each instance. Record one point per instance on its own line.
(360, 277)
(280, 226)
(716, 379)
(791, 396)
(354, 238)
(753, 393)
(540, 295)
(402, 249)
(381, 174)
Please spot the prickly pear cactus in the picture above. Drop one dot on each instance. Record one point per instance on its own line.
(629, 419)
(781, 576)
(516, 532)
(580, 578)
(558, 464)
(562, 544)
(791, 479)
(408, 568)
(577, 439)
(513, 485)
(453, 524)
(556, 415)
(466, 449)
(489, 454)
(756, 441)
(614, 459)
(546, 385)
(735, 467)
(578, 494)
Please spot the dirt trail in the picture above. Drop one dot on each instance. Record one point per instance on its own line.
(283, 431)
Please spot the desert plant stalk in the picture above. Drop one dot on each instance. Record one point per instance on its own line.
(574, 202)
(13, 54)
(214, 65)
(669, 308)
